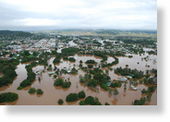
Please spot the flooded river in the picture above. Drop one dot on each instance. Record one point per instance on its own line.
(53, 94)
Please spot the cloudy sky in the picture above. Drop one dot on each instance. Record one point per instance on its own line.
(80, 14)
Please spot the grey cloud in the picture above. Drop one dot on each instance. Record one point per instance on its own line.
(88, 14)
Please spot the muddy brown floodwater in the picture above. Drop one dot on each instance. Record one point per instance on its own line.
(53, 94)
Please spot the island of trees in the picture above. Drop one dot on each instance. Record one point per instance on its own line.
(8, 97)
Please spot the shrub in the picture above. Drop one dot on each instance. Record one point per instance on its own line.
(59, 82)
(81, 61)
(72, 97)
(39, 92)
(92, 83)
(90, 62)
(72, 59)
(90, 101)
(60, 102)
(140, 102)
(65, 58)
(82, 102)
(90, 66)
(104, 86)
(81, 94)
(32, 91)
(56, 61)
(74, 71)
(107, 103)
(116, 84)
(150, 90)
(131, 72)
(25, 83)
(66, 84)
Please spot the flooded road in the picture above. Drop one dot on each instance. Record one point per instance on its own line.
(53, 94)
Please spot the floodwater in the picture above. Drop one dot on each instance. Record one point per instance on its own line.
(53, 94)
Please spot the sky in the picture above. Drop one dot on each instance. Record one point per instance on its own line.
(78, 14)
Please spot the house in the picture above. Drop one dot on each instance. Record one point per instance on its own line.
(123, 79)
(133, 87)
(108, 83)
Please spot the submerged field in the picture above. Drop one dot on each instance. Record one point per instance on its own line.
(94, 73)
(53, 94)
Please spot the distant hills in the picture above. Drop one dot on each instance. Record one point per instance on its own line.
(6, 34)
(12, 35)
(16, 33)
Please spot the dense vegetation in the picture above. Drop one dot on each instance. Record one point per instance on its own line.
(39, 92)
(149, 90)
(62, 83)
(65, 53)
(90, 101)
(137, 40)
(96, 77)
(129, 72)
(116, 84)
(72, 97)
(149, 81)
(91, 62)
(70, 51)
(81, 94)
(71, 59)
(26, 56)
(7, 68)
(8, 97)
(100, 54)
(32, 91)
(116, 61)
(142, 101)
(57, 59)
(19, 35)
(12, 35)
